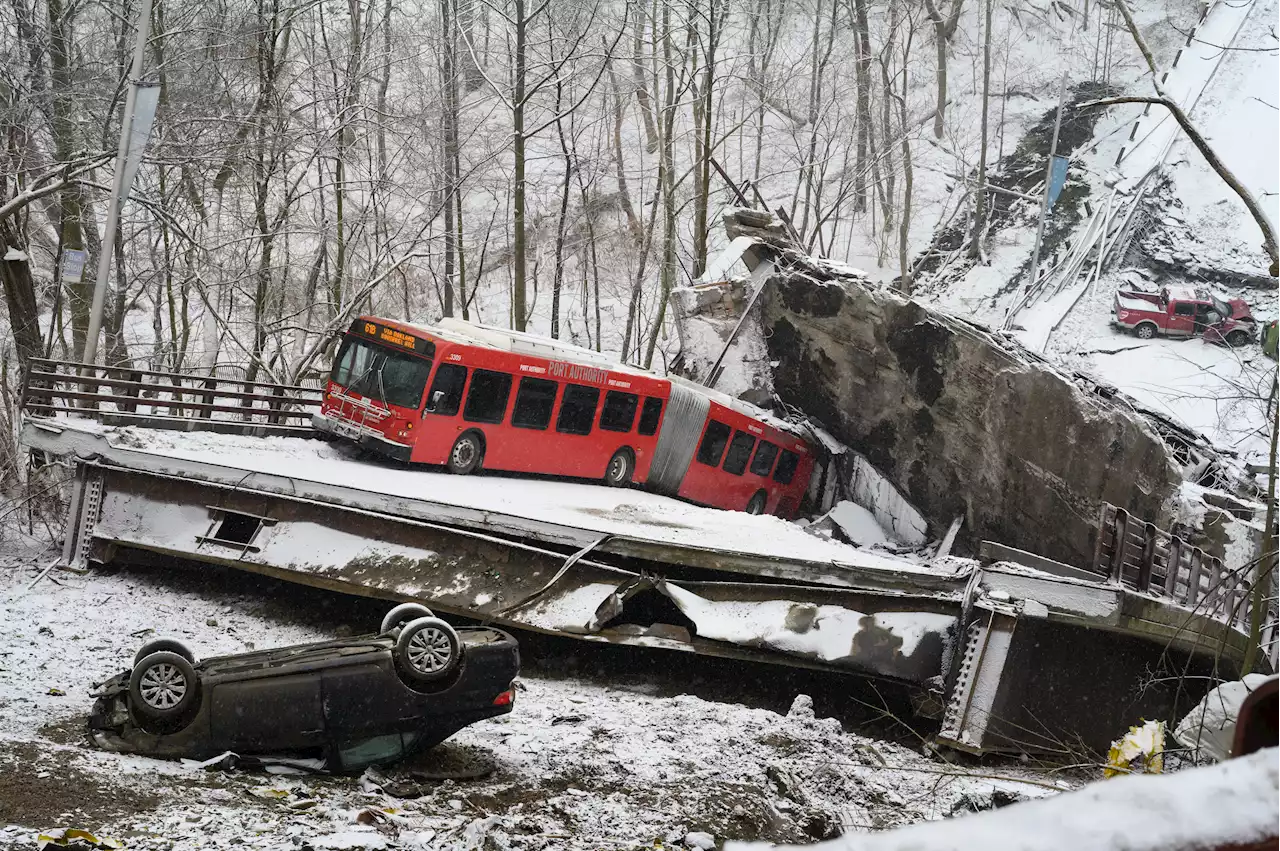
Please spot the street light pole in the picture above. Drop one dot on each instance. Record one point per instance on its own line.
(118, 189)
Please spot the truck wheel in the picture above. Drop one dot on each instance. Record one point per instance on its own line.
(1145, 331)
(1237, 338)
(163, 686)
(402, 614)
(427, 650)
(756, 504)
(622, 467)
(464, 457)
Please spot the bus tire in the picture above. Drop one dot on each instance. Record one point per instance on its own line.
(466, 454)
(756, 504)
(1145, 331)
(621, 468)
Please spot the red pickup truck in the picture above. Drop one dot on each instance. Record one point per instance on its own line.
(1184, 312)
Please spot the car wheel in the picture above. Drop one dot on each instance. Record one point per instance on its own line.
(622, 466)
(427, 650)
(402, 614)
(465, 455)
(1237, 338)
(166, 645)
(1145, 331)
(756, 504)
(163, 686)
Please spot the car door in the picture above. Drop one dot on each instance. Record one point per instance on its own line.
(1181, 319)
(267, 714)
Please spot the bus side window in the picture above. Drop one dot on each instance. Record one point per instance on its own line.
(487, 398)
(534, 401)
(619, 411)
(577, 409)
(712, 446)
(446, 391)
(762, 464)
(786, 467)
(735, 460)
(650, 414)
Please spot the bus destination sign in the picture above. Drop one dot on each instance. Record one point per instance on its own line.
(390, 336)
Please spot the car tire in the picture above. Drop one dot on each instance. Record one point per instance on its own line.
(1237, 339)
(756, 504)
(402, 614)
(163, 686)
(466, 454)
(1145, 331)
(621, 469)
(427, 650)
(167, 645)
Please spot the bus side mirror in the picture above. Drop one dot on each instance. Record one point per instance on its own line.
(435, 400)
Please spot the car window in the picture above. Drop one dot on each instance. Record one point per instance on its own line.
(735, 460)
(534, 401)
(360, 753)
(449, 381)
(713, 441)
(762, 464)
(1184, 309)
(650, 414)
(787, 465)
(487, 398)
(619, 411)
(577, 409)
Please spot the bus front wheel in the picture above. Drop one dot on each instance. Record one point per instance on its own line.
(757, 503)
(466, 453)
(622, 467)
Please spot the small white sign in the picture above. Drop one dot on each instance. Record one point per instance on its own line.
(73, 260)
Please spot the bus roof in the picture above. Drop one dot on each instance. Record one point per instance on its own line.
(454, 330)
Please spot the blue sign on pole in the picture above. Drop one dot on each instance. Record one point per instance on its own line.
(1057, 179)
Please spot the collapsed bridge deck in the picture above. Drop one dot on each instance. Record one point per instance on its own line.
(632, 567)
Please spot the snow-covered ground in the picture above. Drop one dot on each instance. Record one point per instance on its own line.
(608, 748)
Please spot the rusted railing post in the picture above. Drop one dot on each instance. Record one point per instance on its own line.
(1121, 543)
(1193, 577)
(1148, 556)
(1173, 565)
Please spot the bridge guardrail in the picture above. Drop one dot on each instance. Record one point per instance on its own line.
(1150, 560)
(128, 396)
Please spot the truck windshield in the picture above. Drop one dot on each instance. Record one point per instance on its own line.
(380, 373)
(1223, 309)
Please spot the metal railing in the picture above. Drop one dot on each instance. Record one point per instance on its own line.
(1153, 561)
(128, 396)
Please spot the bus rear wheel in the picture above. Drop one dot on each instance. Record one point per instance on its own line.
(622, 466)
(465, 455)
(756, 504)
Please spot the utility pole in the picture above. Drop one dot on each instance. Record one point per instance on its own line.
(121, 182)
(1048, 180)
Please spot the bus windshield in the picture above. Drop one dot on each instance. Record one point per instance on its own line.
(380, 373)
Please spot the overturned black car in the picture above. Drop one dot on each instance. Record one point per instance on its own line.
(351, 703)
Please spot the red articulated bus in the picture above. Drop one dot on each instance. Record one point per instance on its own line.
(462, 395)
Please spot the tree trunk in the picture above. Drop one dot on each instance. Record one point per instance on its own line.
(980, 203)
(864, 139)
(65, 142)
(518, 309)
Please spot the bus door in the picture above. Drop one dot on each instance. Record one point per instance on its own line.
(441, 421)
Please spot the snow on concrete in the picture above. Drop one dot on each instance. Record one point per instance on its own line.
(603, 759)
(630, 512)
(1213, 807)
(857, 523)
(828, 633)
(1209, 730)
